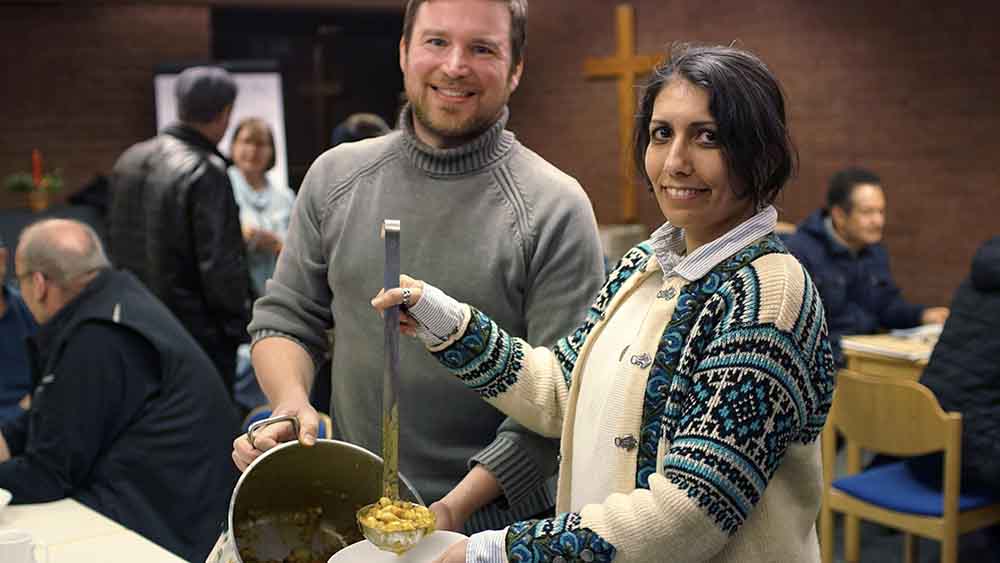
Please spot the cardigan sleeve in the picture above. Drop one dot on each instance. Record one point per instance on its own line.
(528, 384)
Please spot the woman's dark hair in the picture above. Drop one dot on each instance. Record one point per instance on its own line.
(748, 106)
(258, 125)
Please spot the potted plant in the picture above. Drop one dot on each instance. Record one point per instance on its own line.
(38, 186)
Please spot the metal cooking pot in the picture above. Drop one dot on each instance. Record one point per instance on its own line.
(301, 500)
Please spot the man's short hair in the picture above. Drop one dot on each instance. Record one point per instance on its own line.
(843, 183)
(202, 93)
(62, 256)
(518, 26)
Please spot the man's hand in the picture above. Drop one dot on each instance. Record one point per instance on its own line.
(444, 517)
(270, 436)
(455, 553)
(934, 315)
(478, 488)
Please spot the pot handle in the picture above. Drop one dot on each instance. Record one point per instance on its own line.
(269, 421)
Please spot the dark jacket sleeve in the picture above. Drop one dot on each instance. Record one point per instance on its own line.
(219, 248)
(97, 389)
(897, 312)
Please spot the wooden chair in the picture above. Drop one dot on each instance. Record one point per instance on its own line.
(899, 418)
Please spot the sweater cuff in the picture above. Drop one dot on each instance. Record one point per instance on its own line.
(487, 547)
(438, 316)
(512, 466)
(316, 356)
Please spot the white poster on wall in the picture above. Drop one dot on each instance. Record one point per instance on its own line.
(259, 96)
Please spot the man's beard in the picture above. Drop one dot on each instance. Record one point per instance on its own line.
(449, 126)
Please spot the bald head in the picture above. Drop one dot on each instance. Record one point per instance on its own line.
(63, 250)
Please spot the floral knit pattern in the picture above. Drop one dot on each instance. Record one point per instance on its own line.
(485, 358)
(730, 394)
(556, 539)
(661, 384)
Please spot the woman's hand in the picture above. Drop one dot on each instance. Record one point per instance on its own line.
(455, 553)
(267, 241)
(413, 290)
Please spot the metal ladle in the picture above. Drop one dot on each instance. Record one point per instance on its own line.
(390, 374)
(402, 541)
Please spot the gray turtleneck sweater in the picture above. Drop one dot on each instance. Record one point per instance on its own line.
(490, 223)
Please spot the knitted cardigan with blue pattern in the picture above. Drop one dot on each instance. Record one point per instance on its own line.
(727, 463)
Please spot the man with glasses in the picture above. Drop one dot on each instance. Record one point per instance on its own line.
(16, 325)
(122, 417)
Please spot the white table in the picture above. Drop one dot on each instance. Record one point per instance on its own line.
(75, 533)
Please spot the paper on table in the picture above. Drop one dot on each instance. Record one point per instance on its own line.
(922, 331)
(908, 348)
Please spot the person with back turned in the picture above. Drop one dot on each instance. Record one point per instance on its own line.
(174, 222)
(122, 418)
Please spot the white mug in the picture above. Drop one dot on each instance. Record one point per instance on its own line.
(16, 547)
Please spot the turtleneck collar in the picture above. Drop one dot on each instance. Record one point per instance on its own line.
(489, 147)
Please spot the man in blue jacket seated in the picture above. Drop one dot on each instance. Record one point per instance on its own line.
(16, 324)
(123, 417)
(840, 246)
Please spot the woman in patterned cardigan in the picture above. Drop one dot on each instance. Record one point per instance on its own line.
(690, 401)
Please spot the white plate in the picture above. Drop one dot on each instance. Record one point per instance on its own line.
(5, 497)
(428, 549)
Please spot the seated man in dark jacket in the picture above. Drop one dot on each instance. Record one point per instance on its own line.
(840, 248)
(174, 222)
(123, 418)
(964, 373)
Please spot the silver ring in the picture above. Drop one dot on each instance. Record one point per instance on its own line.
(406, 297)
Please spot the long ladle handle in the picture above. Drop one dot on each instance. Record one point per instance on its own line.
(390, 375)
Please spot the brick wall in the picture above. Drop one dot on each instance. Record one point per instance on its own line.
(903, 87)
(78, 81)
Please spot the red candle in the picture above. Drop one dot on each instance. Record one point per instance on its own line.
(36, 167)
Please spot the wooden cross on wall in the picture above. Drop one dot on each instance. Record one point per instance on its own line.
(625, 66)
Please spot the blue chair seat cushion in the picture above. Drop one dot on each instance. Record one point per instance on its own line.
(892, 486)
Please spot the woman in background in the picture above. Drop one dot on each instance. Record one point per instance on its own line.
(265, 208)
(265, 211)
(691, 400)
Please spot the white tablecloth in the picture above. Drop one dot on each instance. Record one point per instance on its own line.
(75, 533)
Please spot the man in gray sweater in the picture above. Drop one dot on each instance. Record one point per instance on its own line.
(491, 221)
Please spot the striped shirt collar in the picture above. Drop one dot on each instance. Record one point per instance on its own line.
(668, 245)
